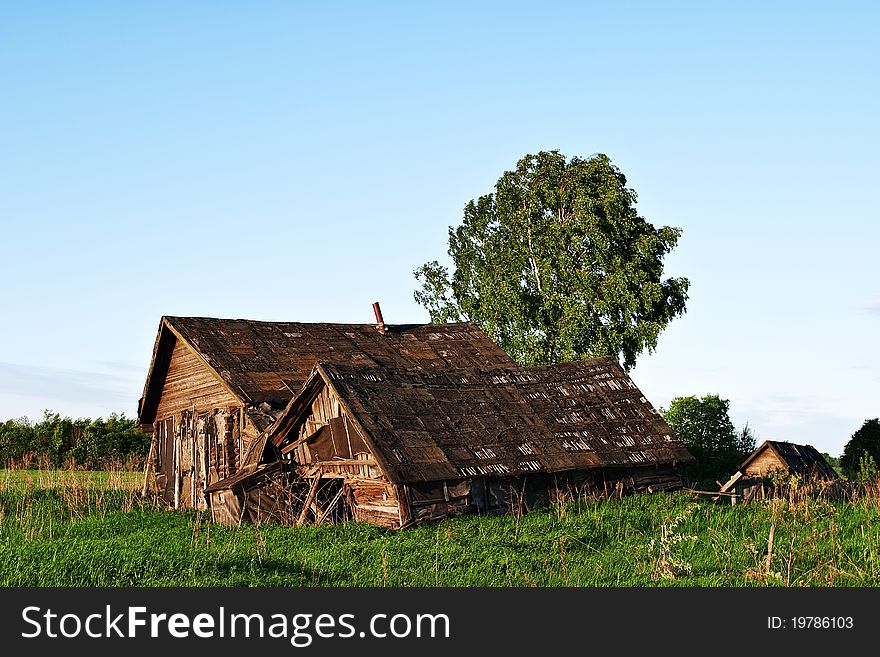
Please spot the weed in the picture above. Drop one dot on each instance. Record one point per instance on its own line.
(667, 564)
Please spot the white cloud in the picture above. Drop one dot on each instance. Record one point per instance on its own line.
(872, 308)
(69, 387)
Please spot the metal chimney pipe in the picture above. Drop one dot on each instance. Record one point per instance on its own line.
(380, 323)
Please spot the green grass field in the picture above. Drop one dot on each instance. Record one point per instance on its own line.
(80, 534)
(25, 479)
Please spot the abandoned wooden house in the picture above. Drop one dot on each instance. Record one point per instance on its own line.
(773, 457)
(388, 424)
(215, 384)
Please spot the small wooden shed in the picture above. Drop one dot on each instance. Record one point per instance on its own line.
(772, 456)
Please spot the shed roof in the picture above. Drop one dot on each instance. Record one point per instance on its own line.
(798, 459)
(431, 424)
(267, 362)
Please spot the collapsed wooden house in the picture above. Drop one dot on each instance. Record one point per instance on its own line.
(215, 384)
(387, 424)
(775, 458)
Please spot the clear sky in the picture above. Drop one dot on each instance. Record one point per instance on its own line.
(297, 161)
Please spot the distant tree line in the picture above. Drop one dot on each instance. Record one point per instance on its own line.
(56, 441)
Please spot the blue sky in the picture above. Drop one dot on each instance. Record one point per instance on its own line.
(283, 161)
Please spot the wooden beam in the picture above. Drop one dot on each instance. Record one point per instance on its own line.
(191, 429)
(404, 510)
(177, 481)
(148, 466)
(330, 506)
(346, 462)
(309, 499)
(707, 492)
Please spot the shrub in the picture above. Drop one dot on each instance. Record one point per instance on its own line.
(84, 443)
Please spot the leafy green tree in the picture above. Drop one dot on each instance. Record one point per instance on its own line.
(49, 437)
(834, 462)
(557, 264)
(864, 441)
(704, 425)
(16, 439)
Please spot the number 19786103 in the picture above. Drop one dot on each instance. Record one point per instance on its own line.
(810, 623)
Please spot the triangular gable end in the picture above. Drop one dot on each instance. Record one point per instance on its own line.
(171, 346)
(298, 426)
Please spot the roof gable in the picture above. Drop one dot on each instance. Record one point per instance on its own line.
(190, 384)
(798, 459)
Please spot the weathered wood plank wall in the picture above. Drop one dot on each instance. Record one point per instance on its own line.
(190, 385)
(199, 430)
(764, 463)
(194, 450)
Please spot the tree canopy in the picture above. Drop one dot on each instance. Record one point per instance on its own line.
(556, 264)
(58, 441)
(864, 441)
(704, 426)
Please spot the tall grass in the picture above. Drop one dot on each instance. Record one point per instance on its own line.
(76, 534)
(22, 479)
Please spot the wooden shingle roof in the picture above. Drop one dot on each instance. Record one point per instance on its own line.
(446, 423)
(267, 362)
